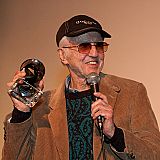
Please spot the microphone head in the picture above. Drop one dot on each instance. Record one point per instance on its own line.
(92, 78)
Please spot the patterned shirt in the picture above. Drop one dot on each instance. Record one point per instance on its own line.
(80, 125)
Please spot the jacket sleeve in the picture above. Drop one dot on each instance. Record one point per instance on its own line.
(143, 139)
(19, 140)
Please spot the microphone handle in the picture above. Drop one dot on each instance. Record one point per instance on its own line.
(95, 88)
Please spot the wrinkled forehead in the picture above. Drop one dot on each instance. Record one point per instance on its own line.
(86, 37)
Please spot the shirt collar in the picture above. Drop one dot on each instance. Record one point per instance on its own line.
(67, 85)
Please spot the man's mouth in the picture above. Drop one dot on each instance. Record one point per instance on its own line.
(92, 62)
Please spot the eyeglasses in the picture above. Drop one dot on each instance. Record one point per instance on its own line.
(85, 48)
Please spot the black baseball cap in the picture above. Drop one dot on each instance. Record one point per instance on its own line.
(78, 25)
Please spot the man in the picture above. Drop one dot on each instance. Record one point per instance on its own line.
(64, 123)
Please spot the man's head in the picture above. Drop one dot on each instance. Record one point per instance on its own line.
(78, 25)
(81, 45)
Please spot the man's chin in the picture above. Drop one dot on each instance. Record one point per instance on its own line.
(93, 71)
(84, 74)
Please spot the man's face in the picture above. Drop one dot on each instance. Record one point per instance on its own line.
(80, 64)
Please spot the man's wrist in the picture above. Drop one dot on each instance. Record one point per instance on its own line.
(117, 140)
(19, 116)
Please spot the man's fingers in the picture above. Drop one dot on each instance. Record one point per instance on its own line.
(101, 96)
(17, 75)
(41, 84)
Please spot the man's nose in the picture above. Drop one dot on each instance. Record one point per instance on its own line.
(93, 51)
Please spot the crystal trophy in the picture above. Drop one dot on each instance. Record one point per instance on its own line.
(26, 89)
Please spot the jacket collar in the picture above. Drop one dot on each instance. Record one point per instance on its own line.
(58, 112)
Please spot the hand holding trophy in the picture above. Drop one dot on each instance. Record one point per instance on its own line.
(26, 88)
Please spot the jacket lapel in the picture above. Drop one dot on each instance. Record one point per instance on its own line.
(59, 123)
(109, 88)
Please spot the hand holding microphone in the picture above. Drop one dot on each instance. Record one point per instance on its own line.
(101, 110)
(93, 80)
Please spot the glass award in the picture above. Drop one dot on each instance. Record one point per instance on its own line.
(26, 89)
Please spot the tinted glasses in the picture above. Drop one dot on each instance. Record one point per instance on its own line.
(85, 48)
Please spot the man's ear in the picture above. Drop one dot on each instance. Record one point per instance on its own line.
(62, 56)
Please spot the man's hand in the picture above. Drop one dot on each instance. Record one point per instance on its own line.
(18, 104)
(102, 108)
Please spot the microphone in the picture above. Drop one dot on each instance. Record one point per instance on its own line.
(93, 80)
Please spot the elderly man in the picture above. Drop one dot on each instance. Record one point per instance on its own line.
(75, 122)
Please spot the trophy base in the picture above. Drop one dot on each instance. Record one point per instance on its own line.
(25, 92)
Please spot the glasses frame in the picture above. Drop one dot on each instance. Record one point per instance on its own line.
(91, 44)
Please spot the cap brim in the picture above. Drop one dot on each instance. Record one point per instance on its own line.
(85, 30)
